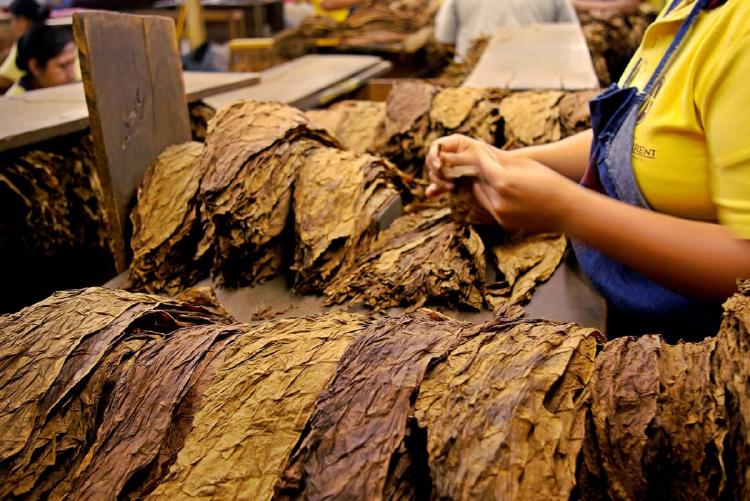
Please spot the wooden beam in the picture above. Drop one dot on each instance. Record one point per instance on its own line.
(132, 77)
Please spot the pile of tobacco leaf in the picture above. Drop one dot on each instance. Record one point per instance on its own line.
(405, 23)
(613, 38)
(112, 395)
(270, 193)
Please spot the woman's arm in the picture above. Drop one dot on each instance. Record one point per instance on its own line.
(568, 157)
(696, 258)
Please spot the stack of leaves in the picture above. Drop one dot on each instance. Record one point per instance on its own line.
(52, 198)
(405, 24)
(613, 38)
(167, 252)
(267, 191)
(355, 124)
(423, 256)
(458, 70)
(671, 421)
(417, 113)
(106, 394)
(338, 197)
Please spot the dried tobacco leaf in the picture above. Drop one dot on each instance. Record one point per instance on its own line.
(459, 69)
(658, 422)
(200, 115)
(531, 117)
(360, 418)
(356, 124)
(422, 257)
(575, 115)
(337, 196)
(166, 224)
(504, 414)
(85, 336)
(252, 153)
(255, 410)
(525, 262)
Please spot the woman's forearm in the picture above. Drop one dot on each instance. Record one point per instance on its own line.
(568, 157)
(696, 258)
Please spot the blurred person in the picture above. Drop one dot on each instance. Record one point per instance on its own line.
(655, 197)
(24, 14)
(47, 56)
(459, 22)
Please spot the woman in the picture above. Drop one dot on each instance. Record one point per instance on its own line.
(47, 56)
(24, 14)
(661, 218)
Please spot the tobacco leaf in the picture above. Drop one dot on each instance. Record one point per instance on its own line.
(451, 107)
(531, 118)
(130, 436)
(459, 69)
(166, 223)
(575, 115)
(657, 423)
(613, 38)
(337, 197)
(360, 418)
(356, 124)
(60, 356)
(251, 156)
(200, 114)
(423, 257)
(504, 414)
(205, 297)
(254, 412)
(525, 262)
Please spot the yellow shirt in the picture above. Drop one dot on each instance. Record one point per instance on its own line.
(659, 4)
(9, 69)
(338, 15)
(692, 149)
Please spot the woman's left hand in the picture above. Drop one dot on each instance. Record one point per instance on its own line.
(524, 194)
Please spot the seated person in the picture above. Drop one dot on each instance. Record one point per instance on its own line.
(459, 22)
(24, 14)
(47, 56)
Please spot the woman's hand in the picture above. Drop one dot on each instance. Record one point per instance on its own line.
(525, 195)
(519, 192)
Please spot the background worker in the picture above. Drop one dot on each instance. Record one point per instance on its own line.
(661, 218)
(460, 22)
(47, 56)
(24, 14)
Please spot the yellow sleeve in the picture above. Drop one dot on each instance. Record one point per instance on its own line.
(724, 105)
(8, 69)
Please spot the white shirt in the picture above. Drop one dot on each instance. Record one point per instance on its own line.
(460, 22)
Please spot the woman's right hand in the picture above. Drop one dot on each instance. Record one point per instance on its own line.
(456, 149)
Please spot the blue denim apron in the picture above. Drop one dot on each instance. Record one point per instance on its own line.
(642, 304)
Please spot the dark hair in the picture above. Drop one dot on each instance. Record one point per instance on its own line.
(30, 9)
(42, 43)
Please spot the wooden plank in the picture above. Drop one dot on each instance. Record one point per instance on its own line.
(131, 70)
(47, 113)
(300, 81)
(544, 56)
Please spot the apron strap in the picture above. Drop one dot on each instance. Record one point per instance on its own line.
(678, 39)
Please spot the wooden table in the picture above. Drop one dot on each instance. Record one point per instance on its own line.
(544, 56)
(309, 81)
(48, 113)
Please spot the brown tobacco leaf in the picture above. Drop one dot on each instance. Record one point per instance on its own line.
(575, 115)
(55, 420)
(251, 157)
(459, 69)
(255, 410)
(130, 436)
(166, 223)
(356, 124)
(337, 197)
(31, 362)
(526, 262)
(53, 196)
(451, 107)
(360, 418)
(422, 257)
(657, 423)
(200, 115)
(205, 297)
(531, 118)
(503, 412)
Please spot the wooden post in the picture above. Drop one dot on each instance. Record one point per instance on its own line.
(132, 76)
